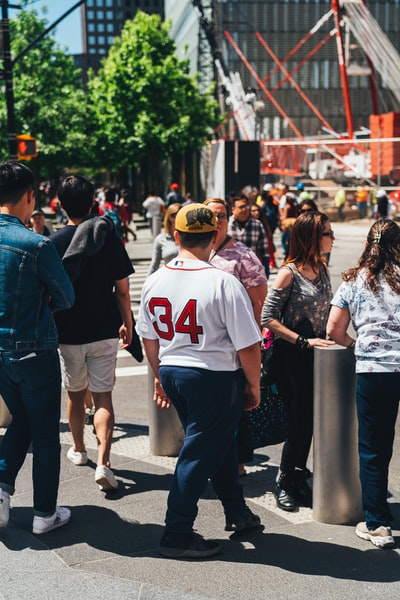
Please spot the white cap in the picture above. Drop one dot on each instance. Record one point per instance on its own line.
(380, 193)
(267, 187)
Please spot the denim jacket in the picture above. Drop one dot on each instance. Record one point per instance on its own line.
(33, 283)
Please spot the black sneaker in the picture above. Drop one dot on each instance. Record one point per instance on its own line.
(243, 522)
(187, 545)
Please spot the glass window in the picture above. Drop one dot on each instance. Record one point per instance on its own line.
(92, 40)
(110, 40)
(90, 14)
(101, 40)
(110, 27)
(100, 27)
(102, 51)
(100, 14)
(91, 28)
(109, 3)
(109, 15)
(315, 79)
(89, 3)
(100, 3)
(92, 51)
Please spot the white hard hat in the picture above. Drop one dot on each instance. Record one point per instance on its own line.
(267, 187)
(380, 193)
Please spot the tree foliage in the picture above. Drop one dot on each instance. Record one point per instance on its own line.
(144, 101)
(50, 103)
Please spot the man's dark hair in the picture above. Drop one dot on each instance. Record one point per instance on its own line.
(15, 180)
(195, 240)
(76, 196)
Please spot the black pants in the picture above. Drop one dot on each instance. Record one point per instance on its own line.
(295, 382)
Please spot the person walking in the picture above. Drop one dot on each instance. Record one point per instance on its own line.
(164, 246)
(243, 228)
(174, 196)
(199, 331)
(340, 203)
(37, 223)
(369, 297)
(98, 264)
(155, 207)
(296, 311)
(33, 285)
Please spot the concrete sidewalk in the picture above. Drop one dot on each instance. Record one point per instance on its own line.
(109, 549)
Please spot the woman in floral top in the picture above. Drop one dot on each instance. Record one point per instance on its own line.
(296, 311)
(237, 259)
(369, 297)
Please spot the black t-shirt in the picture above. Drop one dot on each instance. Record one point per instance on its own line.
(94, 315)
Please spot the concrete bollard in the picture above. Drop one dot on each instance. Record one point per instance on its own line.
(165, 429)
(336, 483)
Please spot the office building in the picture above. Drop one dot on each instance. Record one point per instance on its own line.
(103, 20)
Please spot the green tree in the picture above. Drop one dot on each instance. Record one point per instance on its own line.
(146, 105)
(49, 98)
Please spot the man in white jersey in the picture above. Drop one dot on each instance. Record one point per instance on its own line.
(203, 345)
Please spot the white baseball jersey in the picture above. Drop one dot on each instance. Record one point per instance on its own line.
(201, 315)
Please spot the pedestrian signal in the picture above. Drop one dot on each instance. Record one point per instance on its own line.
(27, 147)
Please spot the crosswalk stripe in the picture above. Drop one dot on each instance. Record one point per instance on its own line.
(131, 371)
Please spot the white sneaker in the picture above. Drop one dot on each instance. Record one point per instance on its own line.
(45, 524)
(78, 458)
(4, 508)
(105, 479)
(380, 537)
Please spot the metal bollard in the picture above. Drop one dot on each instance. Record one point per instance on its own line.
(165, 429)
(155, 225)
(336, 483)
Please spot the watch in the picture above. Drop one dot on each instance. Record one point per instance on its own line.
(302, 343)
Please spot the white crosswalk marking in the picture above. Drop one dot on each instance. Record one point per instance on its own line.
(136, 281)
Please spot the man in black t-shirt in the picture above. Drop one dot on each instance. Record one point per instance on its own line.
(89, 332)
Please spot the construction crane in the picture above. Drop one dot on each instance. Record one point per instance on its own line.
(241, 103)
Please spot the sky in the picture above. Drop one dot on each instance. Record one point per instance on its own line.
(68, 32)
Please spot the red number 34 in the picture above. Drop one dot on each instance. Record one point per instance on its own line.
(185, 323)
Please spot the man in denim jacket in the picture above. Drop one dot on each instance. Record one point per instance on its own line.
(33, 284)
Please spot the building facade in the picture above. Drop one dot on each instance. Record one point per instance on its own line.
(299, 39)
(103, 20)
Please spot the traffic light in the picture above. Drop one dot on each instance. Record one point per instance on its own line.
(27, 147)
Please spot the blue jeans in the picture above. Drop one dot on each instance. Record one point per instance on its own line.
(377, 399)
(31, 389)
(209, 405)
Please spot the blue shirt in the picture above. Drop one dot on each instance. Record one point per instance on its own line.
(33, 284)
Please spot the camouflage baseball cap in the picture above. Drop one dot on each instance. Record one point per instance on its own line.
(195, 218)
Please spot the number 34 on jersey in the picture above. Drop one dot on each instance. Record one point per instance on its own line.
(185, 323)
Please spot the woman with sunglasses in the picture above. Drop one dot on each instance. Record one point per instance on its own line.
(296, 311)
(164, 247)
(307, 206)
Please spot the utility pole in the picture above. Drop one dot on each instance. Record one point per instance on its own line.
(8, 64)
(8, 79)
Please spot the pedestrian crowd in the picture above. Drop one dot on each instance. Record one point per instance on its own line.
(205, 317)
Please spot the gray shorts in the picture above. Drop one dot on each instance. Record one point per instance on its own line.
(89, 365)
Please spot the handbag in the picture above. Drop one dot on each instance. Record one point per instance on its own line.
(268, 423)
(268, 359)
(135, 347)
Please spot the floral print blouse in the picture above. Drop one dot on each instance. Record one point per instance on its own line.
(376, 319)
(304, 303)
